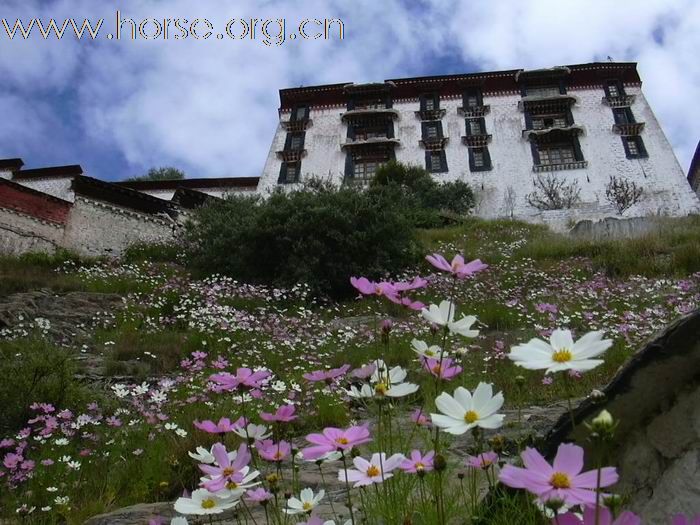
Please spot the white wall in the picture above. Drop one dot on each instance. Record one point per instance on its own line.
(57, 186)
(667, 189)
(21, 233)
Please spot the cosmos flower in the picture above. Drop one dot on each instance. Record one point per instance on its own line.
(444, 314)
(259, 495)
(443, 368)
(376, 470)
(283, 414)
(561, 353)
(457, 267)
(204, 502)
(271, 451)
(326, 375)
(482, 461)
(423, 350)
(562, 480)
(306, 502)
(367, 287)
(417, 462)
(252, 432)
(678, 519)
(465, 411)
(335, 439)
(420, 418)
(243, 378)
(224, 425)
(225, 470)
(390, 383)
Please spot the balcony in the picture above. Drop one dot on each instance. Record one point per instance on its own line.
(620, 101)
(367, 112)
(476, 141)
(474, 111)
(433, 144)
(550, 103)
(628, 128)
(574, 165)
(370, 141)
(571, 129)
(295, 126)
(430, 114)
(291, 155)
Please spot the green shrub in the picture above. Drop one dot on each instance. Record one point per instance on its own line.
(156, 252)
(426, 196)
(35, 372)
(319, 235)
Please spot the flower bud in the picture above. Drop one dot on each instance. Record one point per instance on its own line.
(439, 463)
(354, 452)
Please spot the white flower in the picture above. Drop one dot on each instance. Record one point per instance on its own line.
(181, 432)
(252, 431)
(75, 465)
(233, 490)
(61, 442)
(444, 314)
(561, 353)
(464, 411)
(171, 426)
(390, 383)
(423, 350)
(306, 503)
(207, 456)
(360, 393)
(51, 489)
(204, 502)
(61, 500)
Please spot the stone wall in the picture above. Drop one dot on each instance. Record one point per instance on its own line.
(95, 228)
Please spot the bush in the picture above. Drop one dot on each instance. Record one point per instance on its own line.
(426, 196)
(319, 235)
(40, 373)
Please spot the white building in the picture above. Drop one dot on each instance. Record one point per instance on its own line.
(498, 131)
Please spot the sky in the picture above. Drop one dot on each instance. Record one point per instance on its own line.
(209, 106)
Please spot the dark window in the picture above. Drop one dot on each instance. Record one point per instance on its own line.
(371, 132)
(430, 103)
(300, 113)
(436, 161)
(296, 142)
(479, 159)
(558, 120)
(543, 91)
(634, 147)
(472, 98)
(364, 165)
(623, 116)
(553, 154)
(614, 88)
(289, 172)
(476, 126)
(370, 103)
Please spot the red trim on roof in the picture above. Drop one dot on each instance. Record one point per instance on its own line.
(490, 82)
(224, 182)
(31, 202)
(72, 170)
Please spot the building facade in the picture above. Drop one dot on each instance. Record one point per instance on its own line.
(506, 133)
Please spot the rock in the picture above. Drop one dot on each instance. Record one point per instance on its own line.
(656, 400)
(614, 228)
(70, 315)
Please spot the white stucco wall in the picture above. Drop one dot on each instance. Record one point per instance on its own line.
(57, 186)
(214, 192)
(667, 189)
(21, 233)
(95, 228)
(5, 174)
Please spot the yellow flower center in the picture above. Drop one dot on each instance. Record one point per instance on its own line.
(272, 478)
(279, 455)
(471, 416)
(562, 356)
(307, 506)
(560, 480)
(437, 369)
(420, 466)
(228, 471)
(232, 485)
(372, 471)
(208, 503)
(380, 388)
(342, 441)
(430, 353)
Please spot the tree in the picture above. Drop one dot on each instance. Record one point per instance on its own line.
(623, 193)
(553, 193)
(162, 173)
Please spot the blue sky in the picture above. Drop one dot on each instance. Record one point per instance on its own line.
(210, 106)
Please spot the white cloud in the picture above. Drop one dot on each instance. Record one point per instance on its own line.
(210, 106)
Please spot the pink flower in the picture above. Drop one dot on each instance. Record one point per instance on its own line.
(416, 283)
(335, 439)
(376, 470)
(367, 287)
(458, 267)
(271, 451)
(244, 378)
(420, 417)
(225, 471)
(259, 495)
(365, 371)
(326, 375)
(563, 480)
(678, 519)
(284, 414)
(445, 370)
(604, 518)
(482, 461)
(417, 463)
(313, 520)
(224, 425)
